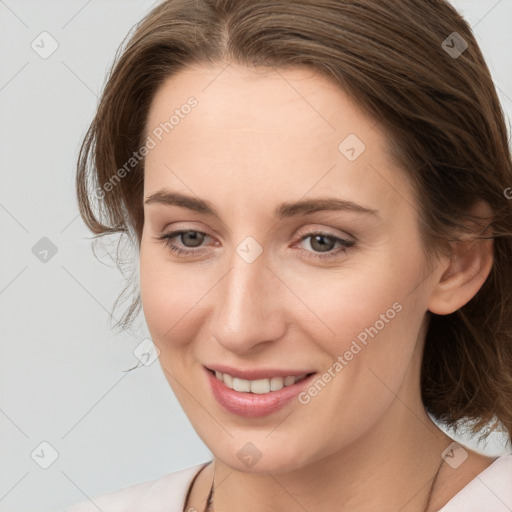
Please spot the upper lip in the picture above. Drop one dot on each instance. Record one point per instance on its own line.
(257, 373)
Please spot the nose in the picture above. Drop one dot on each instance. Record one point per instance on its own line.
(249, 309)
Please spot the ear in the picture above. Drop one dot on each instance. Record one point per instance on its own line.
(466, 267)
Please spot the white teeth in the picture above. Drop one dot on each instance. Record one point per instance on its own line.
(259, 386)
(276, 383)
(227, 379)
(241, 385)
(288, 381)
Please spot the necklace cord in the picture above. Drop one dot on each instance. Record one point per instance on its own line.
(209, 501)
(432, 486)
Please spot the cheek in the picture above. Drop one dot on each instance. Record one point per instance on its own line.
(373, 322)
(365, 362)
(355, 304)
(366, 319)
(169, 295)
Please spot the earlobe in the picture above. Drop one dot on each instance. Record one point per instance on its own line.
(465, 272)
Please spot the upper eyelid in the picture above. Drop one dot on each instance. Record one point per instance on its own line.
(301, 236)
(345, 235)
(341, 233)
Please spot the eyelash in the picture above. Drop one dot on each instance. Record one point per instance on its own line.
(344, 244)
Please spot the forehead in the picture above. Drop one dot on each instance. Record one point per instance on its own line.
(264, 132)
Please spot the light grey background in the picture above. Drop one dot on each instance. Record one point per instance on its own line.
(62, 378)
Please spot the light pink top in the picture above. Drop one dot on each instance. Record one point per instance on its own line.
(490, 491)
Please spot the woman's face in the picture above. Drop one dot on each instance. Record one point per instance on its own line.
(302, 256)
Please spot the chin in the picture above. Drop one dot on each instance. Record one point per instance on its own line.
(263, 455)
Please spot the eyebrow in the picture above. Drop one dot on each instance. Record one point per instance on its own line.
(284, 210)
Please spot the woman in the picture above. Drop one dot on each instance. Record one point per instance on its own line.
(319, 191)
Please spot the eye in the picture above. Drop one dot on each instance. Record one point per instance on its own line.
(324, 243)
(190, 236)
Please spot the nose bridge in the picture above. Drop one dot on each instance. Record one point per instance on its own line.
(246, 309)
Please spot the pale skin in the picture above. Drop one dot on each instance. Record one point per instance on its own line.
(258, 138)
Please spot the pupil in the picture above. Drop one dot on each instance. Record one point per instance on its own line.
(322, 246)
(194, 236)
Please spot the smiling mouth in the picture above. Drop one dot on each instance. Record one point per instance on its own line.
(258, 386)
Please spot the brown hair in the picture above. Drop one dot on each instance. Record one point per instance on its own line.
(402, 63)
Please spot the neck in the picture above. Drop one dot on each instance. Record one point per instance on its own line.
(385, 470)
(388, 468)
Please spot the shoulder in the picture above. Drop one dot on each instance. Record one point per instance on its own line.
(491, 490)
(166, 493)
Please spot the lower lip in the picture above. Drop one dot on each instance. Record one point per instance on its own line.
(254, 405)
